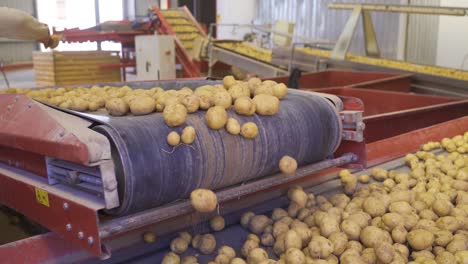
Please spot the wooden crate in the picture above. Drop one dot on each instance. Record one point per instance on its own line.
(75, 67)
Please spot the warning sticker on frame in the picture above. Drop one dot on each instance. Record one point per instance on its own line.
(42, 197)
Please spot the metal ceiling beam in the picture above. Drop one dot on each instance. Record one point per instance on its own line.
(412, 9)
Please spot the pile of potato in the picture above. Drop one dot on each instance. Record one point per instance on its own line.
(419, 216)
(245, 98)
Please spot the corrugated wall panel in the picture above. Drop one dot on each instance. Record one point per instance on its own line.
(422, 37)
(314, 20)
(17, 51)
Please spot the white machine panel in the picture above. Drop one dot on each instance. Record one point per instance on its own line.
(155, 57)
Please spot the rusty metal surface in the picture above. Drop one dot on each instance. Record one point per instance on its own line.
(362, 79)
(18, 113)
(56, 207)
(24, 160)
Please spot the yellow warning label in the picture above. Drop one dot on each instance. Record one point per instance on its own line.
(42, 197)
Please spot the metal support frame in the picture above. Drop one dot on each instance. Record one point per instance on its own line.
(370, 40)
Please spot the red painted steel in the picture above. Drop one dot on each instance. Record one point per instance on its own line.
(54, 217)
(24, 125)
(341, 78)
(377, 102)
(24, 160)
(394, 147)
(392, 124)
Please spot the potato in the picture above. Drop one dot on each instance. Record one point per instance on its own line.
(278, 213)
(351, 229)
(179, 245)
(191, 102)
(217, 223)
(280, 90)
(368, 255)
(186, 236)
(303, 213)
(328, 225)
(253, 237)
(245, 106)
(229, 81)
(216, 117)
(223, 99)
(248, 246)
(354, 245)
(442, 207)
(142, 105)
(339, 241)
(189, 260)
(279, 228)
(196, 241)
(116, 107)
(206, 101)
(461, 256)
(233, 126)
(391, 220)
(287, 165)
(149, 237)
(267, 239)
(175, 115)
(442, 237)
(379, 174)
(78, 104)
(245, 218)
(399, 234)
(297, 195)
(364, 178)
(257, 255)
(384, 252)
(258, 223)
(203, 200)
(374, 207)
(456, 245)
(428, 214)
(227, 251)
(249, 130)
(188, 135)
(171, 258)
(371, 235)
(361, 218)
(173, 138)
(292, 240)
(293, 209)
(420, 239)
(445, 258)
(449, 223)
(320, 247)
(222, 259)
(266, 104)
(207, 244)
(294, 256)
(264, 89)
(239, 90)
(237, 261)
(401, 208)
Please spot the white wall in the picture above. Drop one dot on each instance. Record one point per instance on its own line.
(239, 12)
(452, 44)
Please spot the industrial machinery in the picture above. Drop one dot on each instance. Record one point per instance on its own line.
(155, 58)
(89, 176)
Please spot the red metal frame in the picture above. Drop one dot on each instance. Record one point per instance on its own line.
(346, 78)
(47, 139)
(56, 216)
(189, 68)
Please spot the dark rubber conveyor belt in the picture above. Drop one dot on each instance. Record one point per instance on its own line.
(151, 173)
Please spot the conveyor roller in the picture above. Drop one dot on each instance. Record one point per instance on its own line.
(150, 173)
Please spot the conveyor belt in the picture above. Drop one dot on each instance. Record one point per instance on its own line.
(150, 173)
(306, 127)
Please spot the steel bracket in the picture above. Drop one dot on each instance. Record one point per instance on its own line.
(353, 125)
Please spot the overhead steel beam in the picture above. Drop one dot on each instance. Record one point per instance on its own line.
(411, 9)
